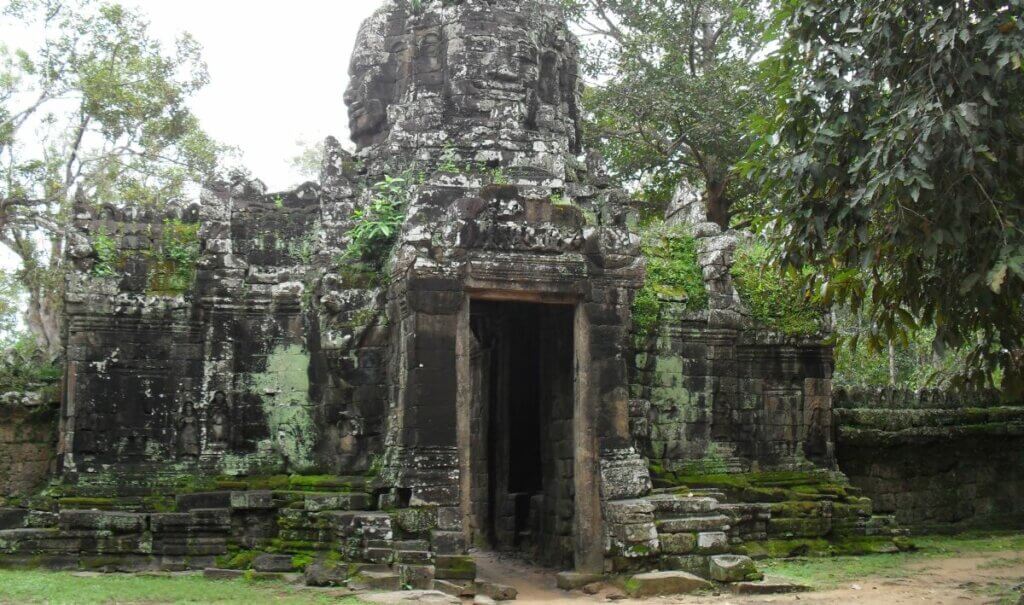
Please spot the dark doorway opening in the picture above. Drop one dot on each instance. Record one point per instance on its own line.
(521, 422)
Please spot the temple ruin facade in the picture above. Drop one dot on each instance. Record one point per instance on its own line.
(239, 381)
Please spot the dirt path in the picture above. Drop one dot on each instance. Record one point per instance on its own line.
(980, 578)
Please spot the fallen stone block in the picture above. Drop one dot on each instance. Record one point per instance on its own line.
(571, 580)
(274, 563)
(325, 573)
(664, 583)
(498, 592)
(454, 588)
(421, 597)
(732, 568)
(767, 586)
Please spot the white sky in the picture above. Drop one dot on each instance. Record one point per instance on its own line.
(278, 71)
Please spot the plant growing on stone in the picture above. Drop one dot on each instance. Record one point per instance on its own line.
(376, 226)
(448, 161)
(673, 273)
(175, 263)
(778, 301)
(105, 248)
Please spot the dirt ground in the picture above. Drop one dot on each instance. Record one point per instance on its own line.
(982, 578)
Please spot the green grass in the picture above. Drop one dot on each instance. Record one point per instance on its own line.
(58, 587)
(829, 572)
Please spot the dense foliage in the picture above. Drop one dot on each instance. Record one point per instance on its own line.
(376, 225)
(777, 301)
(896, 159)
(671, 84)
(673, 274)
(98, 109)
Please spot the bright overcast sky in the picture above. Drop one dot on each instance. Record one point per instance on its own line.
(278, 71)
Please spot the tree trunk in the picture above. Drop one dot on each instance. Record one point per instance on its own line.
(718, 204)
(1013, 377)
(892, 364)
(44, 320)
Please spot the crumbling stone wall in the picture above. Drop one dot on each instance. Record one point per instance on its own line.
(715, 391)
(28, 441)
(936, 460)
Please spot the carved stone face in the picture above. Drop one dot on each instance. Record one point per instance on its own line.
(375, 73)
(454, 71)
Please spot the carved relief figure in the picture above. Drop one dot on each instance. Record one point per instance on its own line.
(188, 432)
(218, 431)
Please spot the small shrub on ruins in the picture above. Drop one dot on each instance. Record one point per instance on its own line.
(673, 273)
(777, 300)
(25, 367)
(377, 226)
(174, 264)
(105, 249)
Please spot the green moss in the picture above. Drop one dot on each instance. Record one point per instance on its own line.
(774, 299)
(160, 504)
(238, 560)
(673, 274)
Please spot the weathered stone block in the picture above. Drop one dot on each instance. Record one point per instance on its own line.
(732, 568)
(664, 583)
(629, 511)
(123, 523)
(712, 543)
(678, 544)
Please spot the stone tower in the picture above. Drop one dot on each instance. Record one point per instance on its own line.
(511, 279)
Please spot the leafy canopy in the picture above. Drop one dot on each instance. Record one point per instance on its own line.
(671, 84)
(896, 162)
(99, 109)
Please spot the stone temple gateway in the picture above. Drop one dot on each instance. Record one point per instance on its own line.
(243, 391)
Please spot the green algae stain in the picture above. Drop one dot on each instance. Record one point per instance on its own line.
(284, 388)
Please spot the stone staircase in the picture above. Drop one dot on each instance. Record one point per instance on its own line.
(333, 538)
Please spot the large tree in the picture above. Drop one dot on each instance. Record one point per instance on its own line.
(671, 85)
(99, 108)
(896, 160)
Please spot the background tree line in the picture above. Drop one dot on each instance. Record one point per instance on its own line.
(877, 146)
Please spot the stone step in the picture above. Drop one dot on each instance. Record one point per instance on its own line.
(12, 518)
(316, 502)
(677, 505)
(187, 502)
(680, 525)
(413, 557)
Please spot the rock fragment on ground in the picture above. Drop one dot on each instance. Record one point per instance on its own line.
(664, 583)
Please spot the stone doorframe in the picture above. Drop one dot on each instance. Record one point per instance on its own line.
(588, 525)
